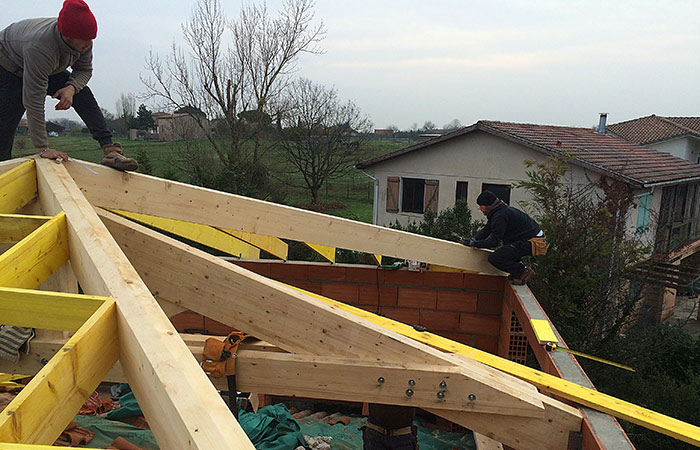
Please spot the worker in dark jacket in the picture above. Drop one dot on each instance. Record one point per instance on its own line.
(390, 427)
(512, 227)
(34, 57)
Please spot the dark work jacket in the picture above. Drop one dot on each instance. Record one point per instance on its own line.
(507, 224)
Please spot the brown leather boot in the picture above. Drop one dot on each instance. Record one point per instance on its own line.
(113, 156)
(524, 278)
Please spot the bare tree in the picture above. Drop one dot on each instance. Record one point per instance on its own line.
(454, 124)
(126, 110)
(322, 137)
(234, 67)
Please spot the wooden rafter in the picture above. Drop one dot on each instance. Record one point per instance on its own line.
(43, 409)
(154, 196)
(17, 187)
(163, 374)
(15, 227)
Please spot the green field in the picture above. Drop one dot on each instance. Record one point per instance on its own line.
(354, 190)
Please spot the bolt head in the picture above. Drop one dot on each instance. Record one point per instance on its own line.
(380, 380)
(472, 397)
(409, 392)
(443, 384)
(441, 395)
(411, 382)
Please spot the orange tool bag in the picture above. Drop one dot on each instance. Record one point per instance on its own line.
(219, 357)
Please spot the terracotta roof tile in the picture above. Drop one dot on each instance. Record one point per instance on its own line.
(606, 154)
(649, 129)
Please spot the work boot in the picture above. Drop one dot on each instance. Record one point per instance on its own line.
(524, 277)
(113, 156)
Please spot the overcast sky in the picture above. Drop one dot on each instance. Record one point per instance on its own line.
(403, 62)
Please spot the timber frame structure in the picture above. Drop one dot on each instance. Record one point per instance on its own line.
(64, 226)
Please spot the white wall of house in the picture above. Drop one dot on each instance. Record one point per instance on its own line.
(685, 147)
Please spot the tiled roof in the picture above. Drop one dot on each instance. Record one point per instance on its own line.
(647, 130)
(605, 154)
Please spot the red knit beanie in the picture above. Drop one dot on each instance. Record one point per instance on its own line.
(76, 20)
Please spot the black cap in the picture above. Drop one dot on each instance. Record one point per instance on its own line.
(486, 198)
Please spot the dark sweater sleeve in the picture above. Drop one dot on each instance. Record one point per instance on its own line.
(496, 230)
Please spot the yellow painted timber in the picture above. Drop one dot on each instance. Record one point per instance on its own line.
(17, 187)
(272, 245)
(543, 331)
(15, 227)
(328, 253)
(4, 446)
(42, 410)
(377, 258)
(202, 234)
(46, 310)
(32, 260)
(545, 382)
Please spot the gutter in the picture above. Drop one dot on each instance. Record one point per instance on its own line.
(375, 210)
(672, 182)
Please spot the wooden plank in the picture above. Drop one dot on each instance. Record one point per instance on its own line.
(325, 251)
(15, 227)
(49, 310)
(486, 443)
(308, 376)
(182, 408)
(149, 195)
(32, 260)
(6, 166)
(17, 187)
(203, 234)
(288, 318)
(6, 446)
(272, 245)
(43, 409)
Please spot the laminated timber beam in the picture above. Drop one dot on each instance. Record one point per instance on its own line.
(272, 245)
(35, 258)
(17, 187)
(149, 195)
(182, 407)
(15, 227)
(202, 234)
(43, 409)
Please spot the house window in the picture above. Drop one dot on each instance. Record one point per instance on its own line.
(461, 193)
(413, 194)
(643, 213)
(502, 191)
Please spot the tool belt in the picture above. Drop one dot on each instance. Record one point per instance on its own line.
(219, 357)
(387, 432)
(539, 246)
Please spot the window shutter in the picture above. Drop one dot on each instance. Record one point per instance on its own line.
(431, 195)
(392, 194)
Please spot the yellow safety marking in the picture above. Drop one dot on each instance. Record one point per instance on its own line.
(543, 331)
(545, 382)
(328, 253)
(203, 234)
(17, 187)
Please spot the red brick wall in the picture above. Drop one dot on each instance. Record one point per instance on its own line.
(463, 307)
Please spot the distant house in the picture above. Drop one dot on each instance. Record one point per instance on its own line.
(433, 175)
(679, 136)
(176, 127)
(384, 131)
(52, 128)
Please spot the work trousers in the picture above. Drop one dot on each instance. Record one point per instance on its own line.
(509, 257)
(373, 440)
(12, 109)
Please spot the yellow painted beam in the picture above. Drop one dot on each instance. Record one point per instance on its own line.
(202, 234)
(377, 258)
(15, 227)
(31, 261)
(42, 410)
(543, 331)
(328, 253)
(272, 245)
(545, 382)
(46, 310)
(17, 187)
(4, 446)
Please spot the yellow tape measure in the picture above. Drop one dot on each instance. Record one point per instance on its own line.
(551, 347)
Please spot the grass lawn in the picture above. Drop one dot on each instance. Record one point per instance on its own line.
(354, 190)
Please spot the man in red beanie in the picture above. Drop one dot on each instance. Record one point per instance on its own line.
(34, 56)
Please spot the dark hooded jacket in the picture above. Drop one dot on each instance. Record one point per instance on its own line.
(507, 224)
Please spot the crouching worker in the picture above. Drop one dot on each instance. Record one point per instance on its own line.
(520, 234)
(34, 57)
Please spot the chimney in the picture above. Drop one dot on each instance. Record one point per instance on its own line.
(601, 123)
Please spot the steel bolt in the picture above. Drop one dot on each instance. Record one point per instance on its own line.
(472, 397)
(411, 382)
(441, 395)
(409, 392)
(443, 385)
(44, 361)
(380, 380)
